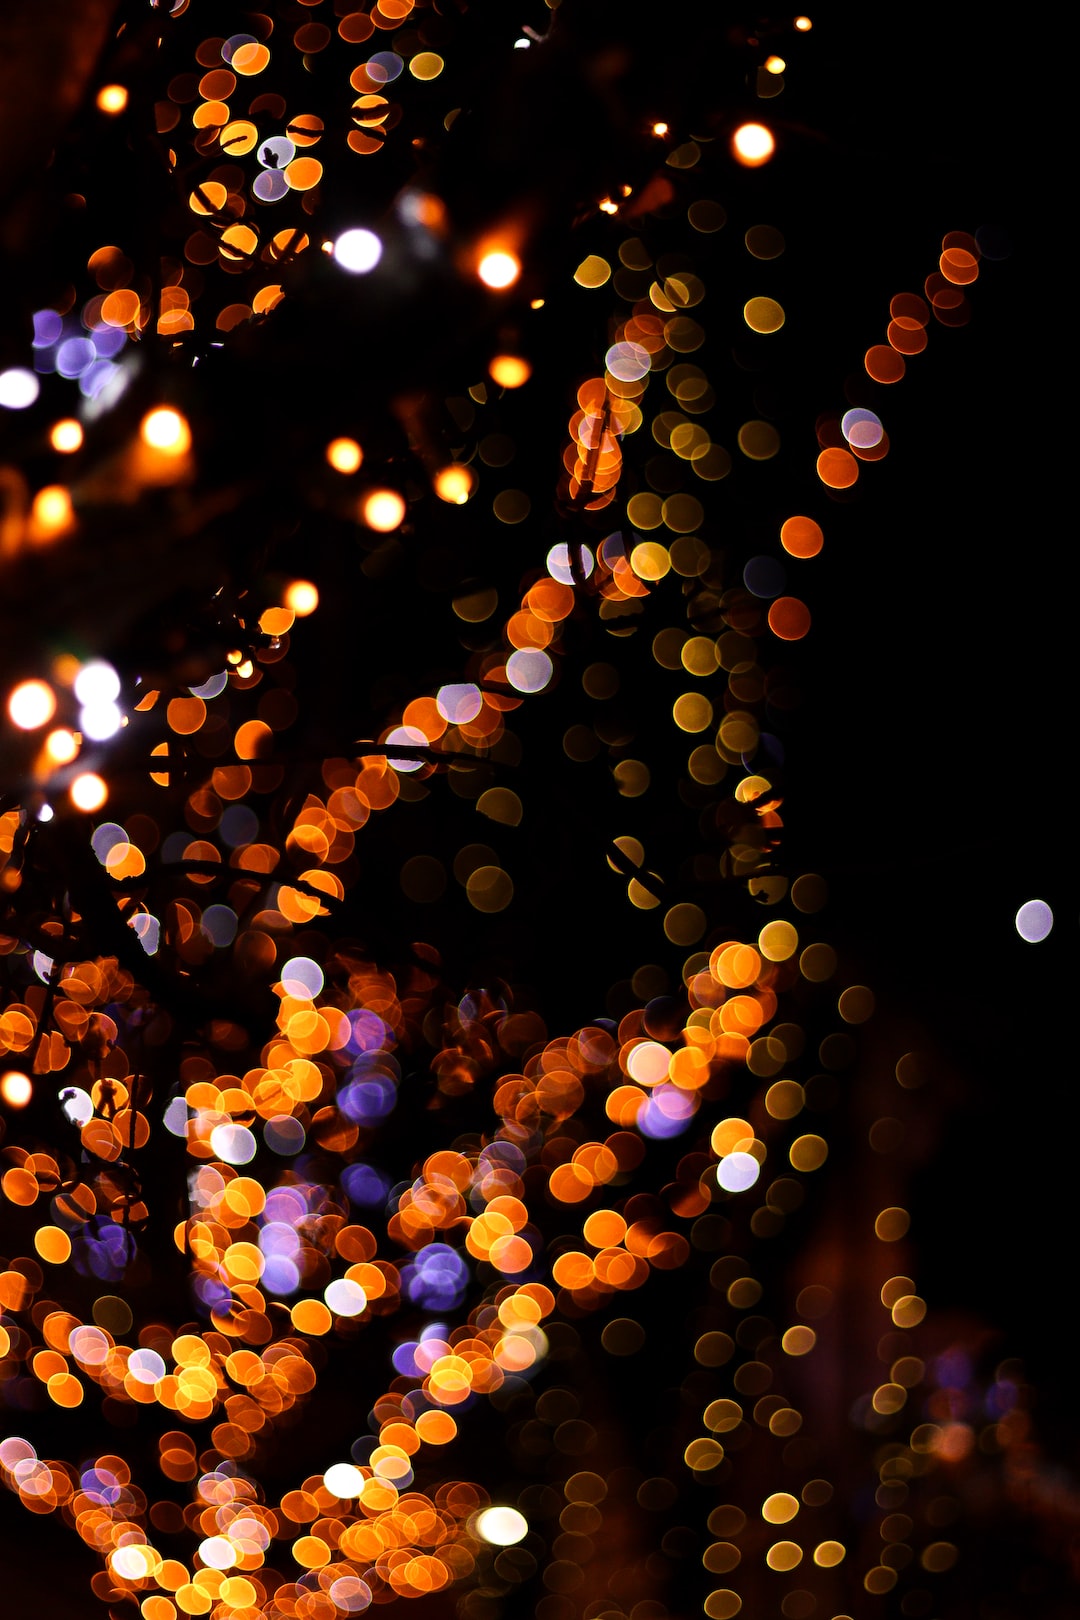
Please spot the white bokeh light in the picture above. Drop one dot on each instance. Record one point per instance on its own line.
(357, 251)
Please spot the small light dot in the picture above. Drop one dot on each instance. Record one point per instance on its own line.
(112, 98)
(66, 436)
(502, 1526)
(16, 1089)
(31, 704)
(88, 791)
(61, 746)
(509, 370)
(344, 455)
(302, 597)
(383, 510)
(18, 388)
(166, 430)
(357, 251)
(753, 145)
(454, 484)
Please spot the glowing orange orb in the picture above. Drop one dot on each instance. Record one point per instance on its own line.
(753, 145)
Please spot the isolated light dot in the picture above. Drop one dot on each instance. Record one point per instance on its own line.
(499, 269)
(660, 129)
(345, 1298)
(502, 1526)
(454, 484)
(61, 746)
(383, 510)
(343, 1480)
(31, 704)
(1034, 921)
(16, 1088)
(344, 455)
(357, 251)
(166, 430)
(753, 145)
(775, 64)
(88, 791)
(301, 597)
(66, 435)
(737, 1171)
(18, 388)
(112, 98)
(51, 512)
(509, 370)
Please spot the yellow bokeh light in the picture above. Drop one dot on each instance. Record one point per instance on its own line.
(660, 129)
(344, 455)
(803, 24)
(112, 98)
(302, 597)
(382, 509)
(509, 370)
(753, 145)
(61, 746)
(498, 269)
(51, 512)
(88, 791)
(775, 64)
(454, 484)
(166, 430)
(31, 704)
(66, 435)
(16, 1088)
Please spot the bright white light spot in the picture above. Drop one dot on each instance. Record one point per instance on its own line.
(383, 510)
(737, 1172)
(459, 704)
(302, 977)
(413, 737)
(217, 1552)
(88, 791)
(60, 745)
(100, 720)
(97, 682)
(130, 1563)
(18, 388)
(16, 1088)
(558, 563)
(628, 361)
(343, 1480)
(358, 251)
(165, 429)
(1034, 921)
(528, 669)
(345, 1298)
(233, 1143)
(31, 704)
(499, 269)
(753, 145)
(78, 1105)
(46, 813)
(146, 1366)
(502, 1526)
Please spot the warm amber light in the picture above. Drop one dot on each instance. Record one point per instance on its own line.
(344, 455)
(803, 24)
(61, 746)
(112, 98)
(660, 129)
(510, 370)
(302, 597)
(88, 791)
(51, 512)
(775, 64)
(383, 509)
(454, 484)
(608, 206)
(753, 145)
(16, 1089)
(166, 430)
(31, 704)
(499, 269)
(66, 436)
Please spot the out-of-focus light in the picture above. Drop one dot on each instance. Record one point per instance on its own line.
(217, 1552)
(502, 1526)
(509, 370)
(343, 1481)
(97, 682)
(61, 746)
(344, 455)
(609, 206)
(499, 269)
(112, 98)
(803, 24)
(66, 435)
(660, 129)
(357, 251)
(46, 812)
(16, 1089)
(559, 563)
(383, 510)
(88, 791)
(51, 512)
(454, 484)
(737, 1172)
(775, 64)
(302, 597)
(100, 721)
(753, 145)
(18, 388)
(1034, 921)
(166, 430)
(31, 704)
